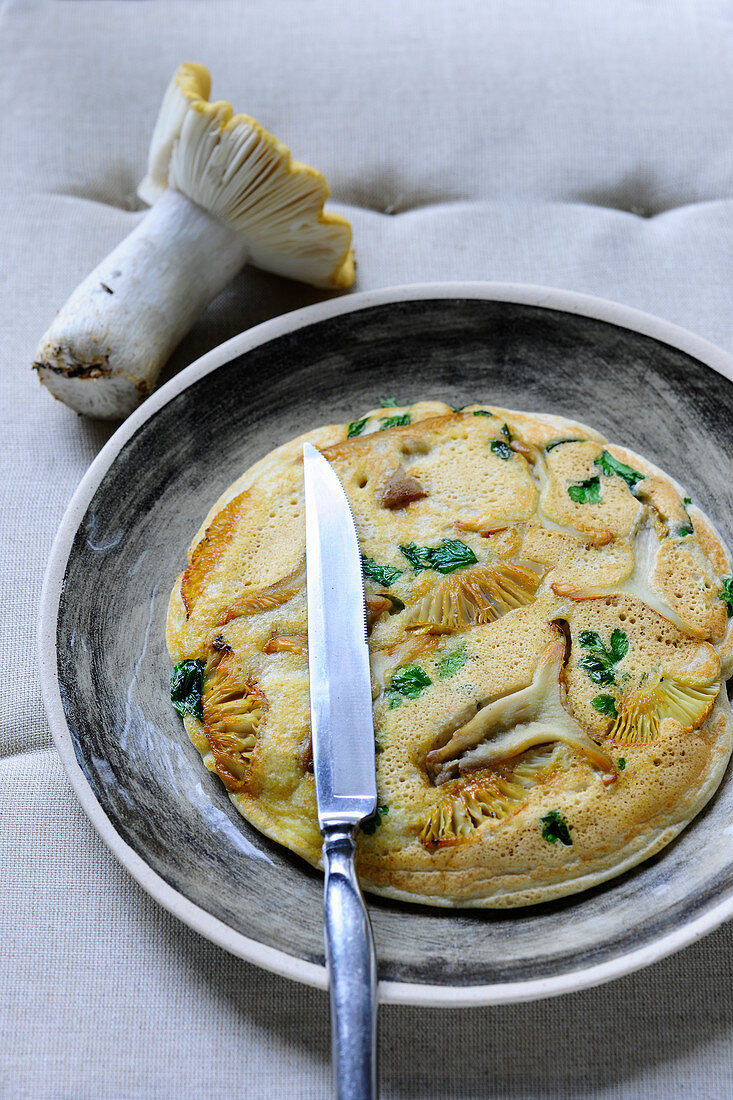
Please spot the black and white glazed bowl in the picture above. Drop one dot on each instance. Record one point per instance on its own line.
(642, 382)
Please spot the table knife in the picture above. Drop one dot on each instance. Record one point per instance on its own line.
(343, 763)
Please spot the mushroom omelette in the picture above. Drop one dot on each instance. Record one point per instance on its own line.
(550, 627)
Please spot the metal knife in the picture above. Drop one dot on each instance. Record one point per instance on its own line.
(343, 764)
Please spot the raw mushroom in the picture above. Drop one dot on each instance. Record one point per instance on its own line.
(225, 193)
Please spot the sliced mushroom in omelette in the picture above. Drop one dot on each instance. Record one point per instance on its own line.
(550, 627)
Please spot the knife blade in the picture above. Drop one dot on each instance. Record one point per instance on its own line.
(342, 731)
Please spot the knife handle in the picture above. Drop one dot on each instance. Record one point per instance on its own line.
(352, 968)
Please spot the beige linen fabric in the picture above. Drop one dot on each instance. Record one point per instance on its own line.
(562, 142)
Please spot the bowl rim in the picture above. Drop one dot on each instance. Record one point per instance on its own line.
(270, 958)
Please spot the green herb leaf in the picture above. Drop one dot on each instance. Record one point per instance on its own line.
(501, 449)
(407, 683)
(450, 555)
(621, 763)
(619, 644)
(400, 421)
(597, 669)
(726, 595)
(382, 574)
(187, 685)
(356, 427)
(559, 443)
(388, 402)
(599, 662)
(418, 556)
(369, 826)
(449, 664)
(554, 828)
(481, 412)
(586, 492)
(505, 431)
(687, 500)
(605, 704)
(611, 466)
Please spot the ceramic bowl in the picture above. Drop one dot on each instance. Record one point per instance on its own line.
(105, 669)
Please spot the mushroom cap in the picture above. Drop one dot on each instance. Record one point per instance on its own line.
(239, 172)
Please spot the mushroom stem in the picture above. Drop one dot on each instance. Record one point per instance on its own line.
(103, 352)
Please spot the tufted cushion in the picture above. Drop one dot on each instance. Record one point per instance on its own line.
(560, 142)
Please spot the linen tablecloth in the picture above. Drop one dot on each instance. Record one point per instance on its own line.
(559, 142)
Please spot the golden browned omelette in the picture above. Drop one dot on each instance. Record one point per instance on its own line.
(550, 634)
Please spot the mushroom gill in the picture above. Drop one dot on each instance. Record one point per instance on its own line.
(662, 696)
(505, 727)
(491, 797)
(223, 193)
(480, 594)
(234, 710)
(457, 816)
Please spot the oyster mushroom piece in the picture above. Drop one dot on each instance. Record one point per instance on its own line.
(480, 594)
(223, 192)
(456, 817)
(662, 696)
(640, 583)
(233, 712)
(667, 507)
(401, 490)
(508, 726)
(252, 601)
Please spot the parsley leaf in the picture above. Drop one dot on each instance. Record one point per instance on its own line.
(418, 556)
(554, 828)
(449, 664)
(621, 763)
(370, 825)
(501, 449)
(187, 685)
(726, 595)
(598, 663)
(559, 442)
(619, 644)
(481, 412)
(382, 574)
(450, 555)
(586, 492)
(400, 421)
(611, 466)
(605, 704)
(356, 427)
(388, 402)
(407, 683)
